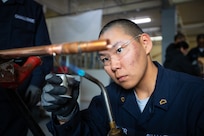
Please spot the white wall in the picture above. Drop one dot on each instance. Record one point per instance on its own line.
(89, 89)
(81, 27)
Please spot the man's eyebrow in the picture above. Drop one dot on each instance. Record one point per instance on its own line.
(102, 53)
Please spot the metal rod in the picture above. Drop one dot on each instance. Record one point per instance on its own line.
(17, 101)
(104, 92)
(114, 131)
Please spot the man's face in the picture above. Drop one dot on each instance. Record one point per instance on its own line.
(126, 70)
(201, 43)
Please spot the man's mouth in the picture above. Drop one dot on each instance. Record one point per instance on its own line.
(121, 78)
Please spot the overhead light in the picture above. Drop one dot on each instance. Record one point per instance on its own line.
(141, 20)
(156, 38)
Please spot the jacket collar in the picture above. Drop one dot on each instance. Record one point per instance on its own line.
(159, 98)
(161, 93)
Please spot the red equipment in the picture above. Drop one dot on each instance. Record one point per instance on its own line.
(12, 75)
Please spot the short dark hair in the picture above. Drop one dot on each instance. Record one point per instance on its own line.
(128, 26)
(179, 35)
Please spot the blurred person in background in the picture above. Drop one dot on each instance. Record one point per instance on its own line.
(197, 53)
(177, 60)
(179, 37)
(22, 24)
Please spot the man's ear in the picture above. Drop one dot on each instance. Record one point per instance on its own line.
(146, 42)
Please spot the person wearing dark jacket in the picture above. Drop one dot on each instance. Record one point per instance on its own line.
(177, 60)
(22, 24)
(197, 52)
(179, 37)
(146, 98)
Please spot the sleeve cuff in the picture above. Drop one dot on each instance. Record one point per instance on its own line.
(67, 118)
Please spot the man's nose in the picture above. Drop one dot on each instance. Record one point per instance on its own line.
(115, 63)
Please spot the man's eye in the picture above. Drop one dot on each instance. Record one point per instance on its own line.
(104, 59)
(119, 50)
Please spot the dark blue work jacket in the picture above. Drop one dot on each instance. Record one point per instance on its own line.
(176, 108)
(22, 24)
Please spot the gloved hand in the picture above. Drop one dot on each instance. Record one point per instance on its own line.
(52, 98)
(32, 95)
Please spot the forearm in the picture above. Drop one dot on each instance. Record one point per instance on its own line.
(71, 127)
(87, 122)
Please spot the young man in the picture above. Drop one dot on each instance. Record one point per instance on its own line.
(146, 99)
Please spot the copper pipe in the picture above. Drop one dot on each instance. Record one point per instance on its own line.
(63, 48)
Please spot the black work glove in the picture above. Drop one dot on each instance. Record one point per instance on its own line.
(32, 95)
(53, 96)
